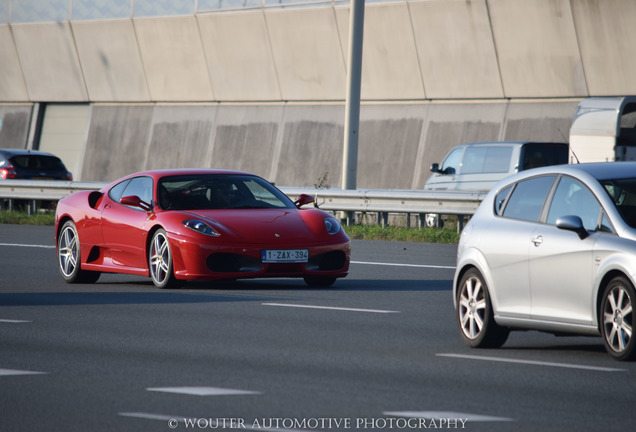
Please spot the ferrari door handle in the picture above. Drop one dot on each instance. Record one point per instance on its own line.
(537, 240)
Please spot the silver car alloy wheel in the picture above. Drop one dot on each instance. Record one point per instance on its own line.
(160, 259)
(68, 251)
(472, 307)
(617, 318)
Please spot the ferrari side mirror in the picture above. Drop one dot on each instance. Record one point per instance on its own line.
(135, 201)
(303, 199)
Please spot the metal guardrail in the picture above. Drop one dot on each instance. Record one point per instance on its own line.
(379, 201)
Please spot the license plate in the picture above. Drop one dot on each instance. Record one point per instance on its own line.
(285, 255)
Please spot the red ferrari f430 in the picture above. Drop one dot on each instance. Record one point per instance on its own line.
(178, 225)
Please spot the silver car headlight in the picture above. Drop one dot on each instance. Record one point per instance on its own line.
(332, 225)
(200, 227)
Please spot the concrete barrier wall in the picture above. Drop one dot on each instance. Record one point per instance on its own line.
(434, 49)
(263, 90)
(298, 144)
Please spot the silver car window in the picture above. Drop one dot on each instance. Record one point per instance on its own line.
(573, 198)
(528, 198)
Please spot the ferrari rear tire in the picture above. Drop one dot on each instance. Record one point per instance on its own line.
(69, 257)
(160, 261)
(319, 281)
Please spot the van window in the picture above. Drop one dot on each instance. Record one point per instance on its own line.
(534, 155)
(483, 159)
(451, 163)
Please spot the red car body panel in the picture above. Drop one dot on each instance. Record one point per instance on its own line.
(115, 238)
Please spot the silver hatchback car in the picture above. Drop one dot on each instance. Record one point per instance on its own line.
(552, 249)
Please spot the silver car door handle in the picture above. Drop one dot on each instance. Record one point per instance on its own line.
(537, 240)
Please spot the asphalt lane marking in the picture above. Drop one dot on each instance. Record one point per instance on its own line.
(12, 321)
(13, 372)
(330, 308)
(203, 391)
(534, 362)
(446, 415)
(404, 265)
(26, 245)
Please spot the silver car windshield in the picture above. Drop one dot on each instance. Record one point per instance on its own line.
(623, 195)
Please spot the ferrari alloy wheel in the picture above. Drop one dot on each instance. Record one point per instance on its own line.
(160, 261)
(617, 319)
(475, 314)
(69, 256)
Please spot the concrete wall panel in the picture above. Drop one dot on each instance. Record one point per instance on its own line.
(539, 121)
(537, 48)
(247, 138)
(311, 145)
(173, 59)
(307, 52)
(180, 137)
(117, 141)
(239, 56)
(390, 67)
(49, 62)
(450, 124)
(12, 86)
(14, 125)
(456, 50)
(606, 36)
(111, 61)
(388, 144)
(64, 134)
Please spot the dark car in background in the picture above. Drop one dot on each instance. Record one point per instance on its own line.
(31, 165)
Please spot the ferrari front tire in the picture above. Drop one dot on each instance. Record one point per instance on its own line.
(69, 256)
(160, 261)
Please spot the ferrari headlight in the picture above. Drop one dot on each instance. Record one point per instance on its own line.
(200, 227)
(332, 225)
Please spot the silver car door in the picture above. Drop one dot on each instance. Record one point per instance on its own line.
(509, 250)
(561, 263)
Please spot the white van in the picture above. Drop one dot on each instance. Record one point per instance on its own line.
(478, 166)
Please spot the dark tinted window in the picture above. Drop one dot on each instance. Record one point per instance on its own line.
(38, 162)
(534, 155)
(528, 198)
(573, 198)
(623, 195)
(218, 191)
(485, 159)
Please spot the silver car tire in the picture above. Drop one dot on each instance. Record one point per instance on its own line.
(616, 318)
(69, 256)
(160, 261)
(475, 315)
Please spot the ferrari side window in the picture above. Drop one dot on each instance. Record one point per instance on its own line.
(116, 191)
(141, 187)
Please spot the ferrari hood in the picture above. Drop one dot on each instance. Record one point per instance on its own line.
(258, 225)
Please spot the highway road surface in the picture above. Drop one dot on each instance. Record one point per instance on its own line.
(378, 351)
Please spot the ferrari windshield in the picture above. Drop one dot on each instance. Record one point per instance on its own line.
(218, 191)
(623, 194)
